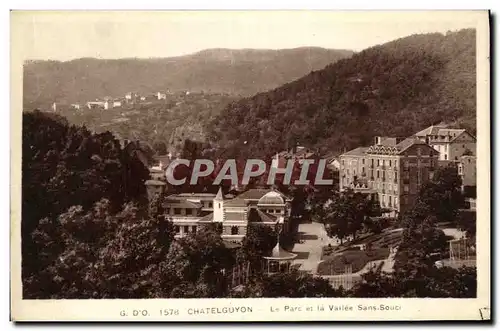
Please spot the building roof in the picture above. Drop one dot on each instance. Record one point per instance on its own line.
(182, 203)
(220, 195)
(253, 194)
(357, 151)
(204, 196)
(407, 143)
(207, 218)
(154, 182)
(279, 253)
(431, 130)
(441, 130)
(236, 203)
(271, 198)
(256, 215)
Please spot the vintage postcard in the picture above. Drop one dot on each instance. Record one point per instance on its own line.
(250, 166)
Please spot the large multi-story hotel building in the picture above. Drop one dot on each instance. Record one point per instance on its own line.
(392, 170)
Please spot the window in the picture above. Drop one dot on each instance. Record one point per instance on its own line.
(363, 161)
(234, 230)
(395, 201)
(177, 211)
(186, 228)
(177, 229)
(446, 157)
(378, 163)
(210, 205)
(219, 204)
(193, 228)
(191, 212)
(407, 188)
(378, 174)
(390, 201)
(390, 163)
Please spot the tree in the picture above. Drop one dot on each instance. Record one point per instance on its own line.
(65, 166)
(290, 285)
(347, 213)
(257, 243)
(198, 262)
(436, 283)
(98, 254)
(443, 194)
(375, 284)
(160, 147)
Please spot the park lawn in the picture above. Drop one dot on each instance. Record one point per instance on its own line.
(357, 258)
(381, 240)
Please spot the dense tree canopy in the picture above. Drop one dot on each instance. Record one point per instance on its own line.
(397, 88)
(347, 213)
(290, 285)
(443, 194)
(100, 254)
(65, 166)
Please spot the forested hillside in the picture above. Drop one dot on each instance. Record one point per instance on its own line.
(244, 72)
(392, 89)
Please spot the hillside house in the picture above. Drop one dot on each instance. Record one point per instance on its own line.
(450, 143)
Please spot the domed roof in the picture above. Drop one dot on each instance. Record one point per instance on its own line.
(271, 198)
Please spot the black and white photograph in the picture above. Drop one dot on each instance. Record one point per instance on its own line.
(252, 155)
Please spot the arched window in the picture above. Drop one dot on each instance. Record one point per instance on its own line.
(234, 230)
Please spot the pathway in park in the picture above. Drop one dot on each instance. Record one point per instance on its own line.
(312, 237)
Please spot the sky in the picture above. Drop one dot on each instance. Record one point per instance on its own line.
(110, 35)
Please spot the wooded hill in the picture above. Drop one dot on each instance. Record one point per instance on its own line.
(396, 88)
(245, 72)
